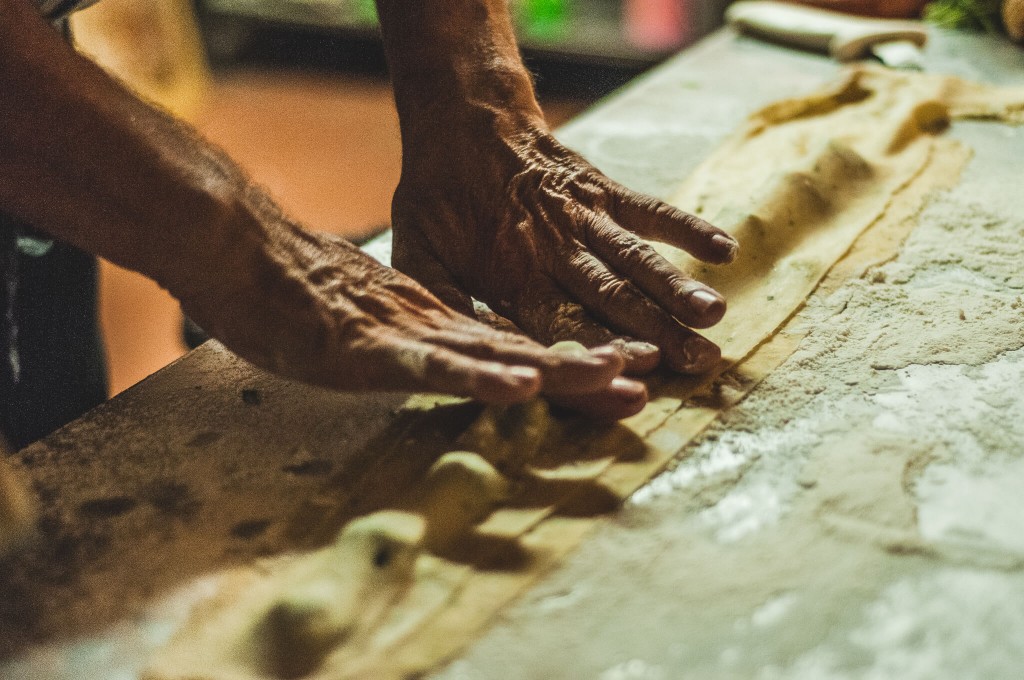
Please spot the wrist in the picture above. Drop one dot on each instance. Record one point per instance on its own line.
(243, 284)
(467, 132)
(220, 249)
(456, 63)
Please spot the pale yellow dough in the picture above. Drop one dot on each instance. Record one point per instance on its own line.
(324, 613)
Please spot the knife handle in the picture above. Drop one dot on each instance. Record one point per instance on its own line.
(843, 36)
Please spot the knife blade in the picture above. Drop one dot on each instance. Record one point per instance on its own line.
(844, 37)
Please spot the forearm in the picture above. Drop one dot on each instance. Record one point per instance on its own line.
(455, 63)
(85, 161)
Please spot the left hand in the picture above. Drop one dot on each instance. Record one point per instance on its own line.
(504, 213)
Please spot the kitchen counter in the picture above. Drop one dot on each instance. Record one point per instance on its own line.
(911, 373)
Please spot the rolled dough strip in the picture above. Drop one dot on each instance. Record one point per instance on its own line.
(295, 616)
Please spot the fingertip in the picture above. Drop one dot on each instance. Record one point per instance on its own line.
(610, 356)
(726, 247)
(501, 384)
(708, 307)
(641, 357)
(697, 356)
(631, 393)
(622, 398)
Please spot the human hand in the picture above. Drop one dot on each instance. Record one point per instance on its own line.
(138, 187)
(314, 308)
(506, 214)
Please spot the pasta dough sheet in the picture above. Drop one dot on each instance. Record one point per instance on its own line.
(835, 177)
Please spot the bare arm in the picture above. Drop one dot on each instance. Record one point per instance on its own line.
(84, 160)
(490, 205)
(87, 162)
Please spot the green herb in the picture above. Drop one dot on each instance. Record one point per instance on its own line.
(966, 14)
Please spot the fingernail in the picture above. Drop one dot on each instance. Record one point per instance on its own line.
(704, 301)
(604, 353)
(641, 357)
(637, 347)
(521, 375)
(632, 390)
(728, 244)
(701, 355)
(570, 348)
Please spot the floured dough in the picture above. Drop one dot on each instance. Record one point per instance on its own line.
(805, 177)
(323, 614)
(462, 489)
(289, 618)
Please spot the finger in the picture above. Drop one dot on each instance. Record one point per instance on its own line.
(412, 255)
(443, 370)
(486, 316)
(621, 399)
(652, 219)
(573, 323)
(693, 303)
(565, 320)
(546, 313)
(625, 308)
(560, 373)
(641, 357)
(386, 363)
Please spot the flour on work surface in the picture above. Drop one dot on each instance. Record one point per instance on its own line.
(857, 516)
(767, 542)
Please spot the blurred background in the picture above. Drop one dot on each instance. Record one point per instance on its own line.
(296, 91)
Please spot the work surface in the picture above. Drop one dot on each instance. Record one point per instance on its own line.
(194, 469)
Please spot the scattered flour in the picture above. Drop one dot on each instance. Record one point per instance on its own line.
(856, 517)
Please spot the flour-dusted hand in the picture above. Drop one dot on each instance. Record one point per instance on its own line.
(490, 206)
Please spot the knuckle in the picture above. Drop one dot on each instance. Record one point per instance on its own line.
(482, 348)
(644, 255)
(677, 217)
(644, 202)
(612, 291)
(569, 322)
(582, 261)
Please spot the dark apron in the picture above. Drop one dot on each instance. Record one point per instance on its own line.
(52, 364)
